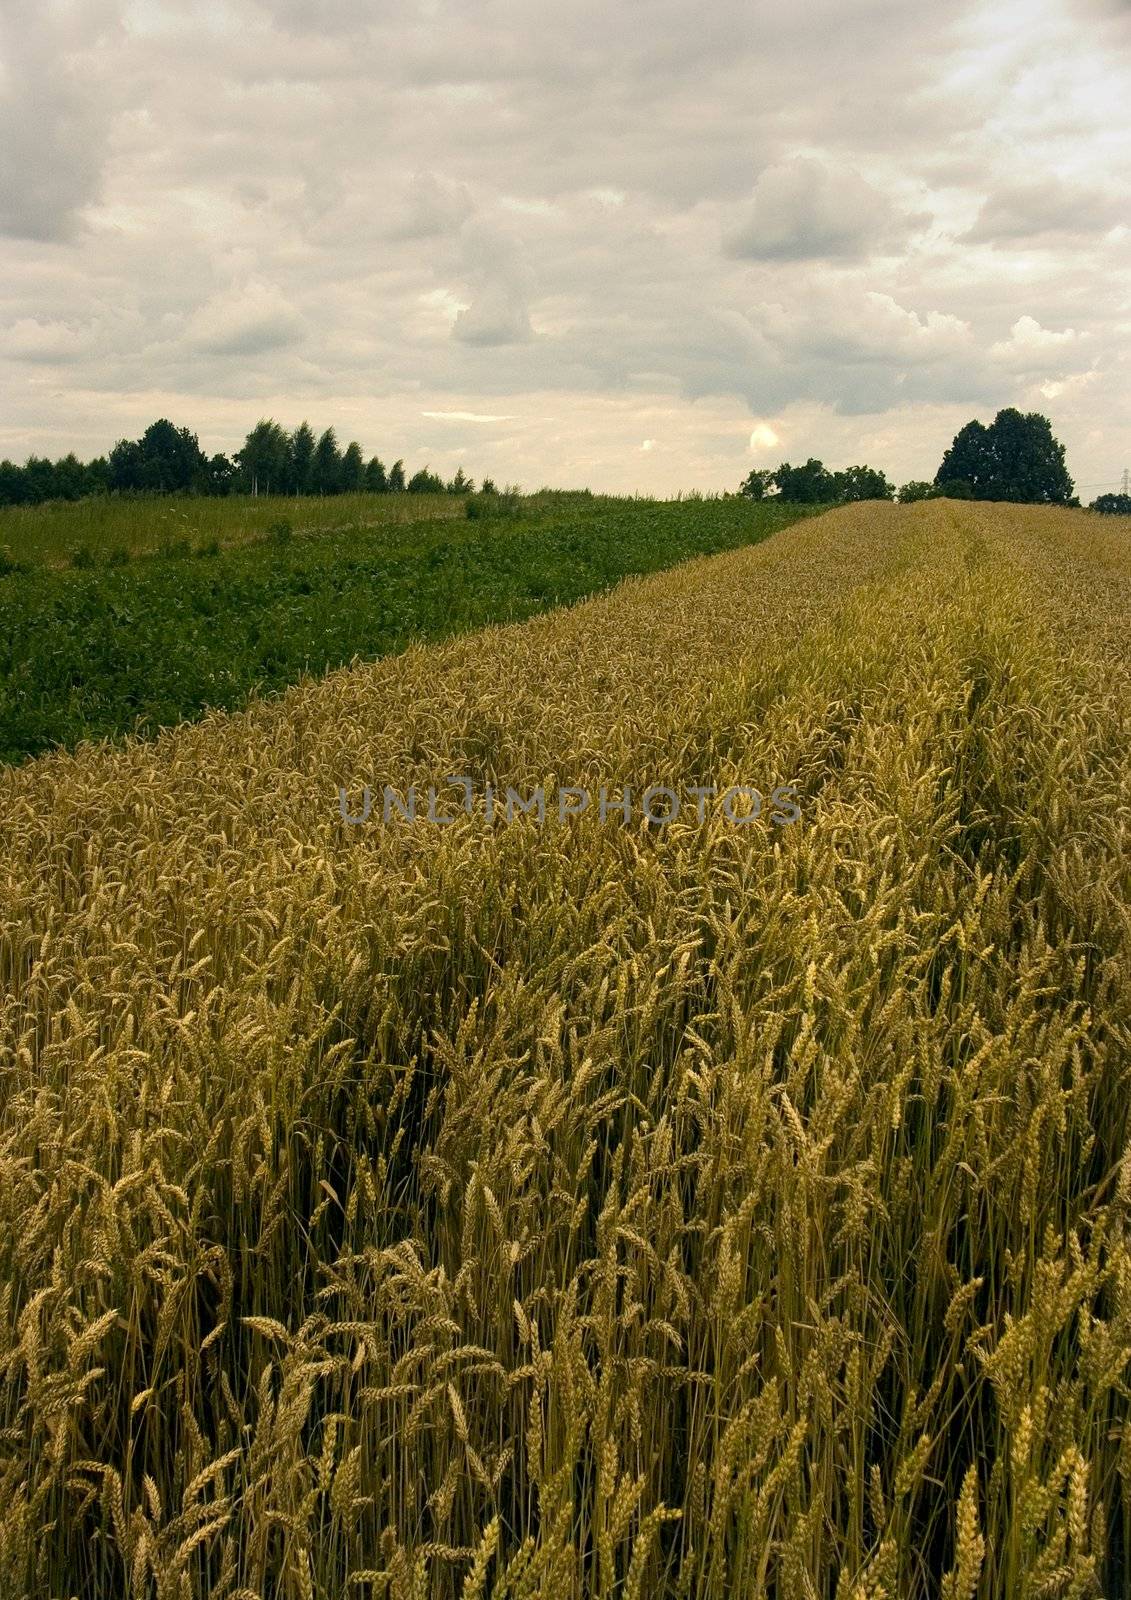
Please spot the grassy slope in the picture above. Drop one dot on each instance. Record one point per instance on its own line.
(115, 649)
(372, 1195)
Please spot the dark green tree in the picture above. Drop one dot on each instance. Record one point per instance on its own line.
(376, 478)
(352, 474)
(396, 478)
(1016, 458)
(326, 477)
(918, 489)
(862, 483)
(811, 484)
(39, 480)
(1029, 461)
(222, 477)
(70, 478)
(757, 483)
(1110, 505)
(461, 483)
(123, 469)
(13, 489)
(303, 446)
(265, 460)
(425, 482)
(969, 461)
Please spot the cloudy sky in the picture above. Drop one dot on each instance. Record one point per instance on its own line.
(637, 245)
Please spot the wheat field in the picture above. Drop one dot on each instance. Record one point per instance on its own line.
(594, 1208)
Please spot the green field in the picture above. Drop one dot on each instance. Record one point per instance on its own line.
(108, 649)
(103, 527)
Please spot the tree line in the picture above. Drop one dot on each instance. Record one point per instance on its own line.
(1014, 458)
(169, 460)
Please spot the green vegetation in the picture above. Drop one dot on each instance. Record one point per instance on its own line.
(105, 648)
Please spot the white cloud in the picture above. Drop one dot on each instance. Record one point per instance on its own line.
(1031, 348)
(466, 416)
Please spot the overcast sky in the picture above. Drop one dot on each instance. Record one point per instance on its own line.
(635, 244)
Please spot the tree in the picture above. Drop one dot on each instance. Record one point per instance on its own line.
(969, 461)
(425, 482)
(70, 478)
(39, 480)
(327, 468)
(1111, 505)
(123, 470)
(302, 458)
(917, 489)
(396, 478)
(165, 460)
(352, 474)
(1016, 458)
(757, 484)
(461, 483)
(811, 484)
(265, 459)
(221, 477)
(376, 478)
(862, 483)
(13, 489)
(1029, 461)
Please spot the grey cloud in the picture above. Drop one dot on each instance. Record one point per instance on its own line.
(55, 115)
(497, 315)
(245, 321)
(429, 206)
(803, 210)
(1045, 210)
(496, 266)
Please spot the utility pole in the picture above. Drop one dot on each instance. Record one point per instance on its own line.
(1126, 481)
